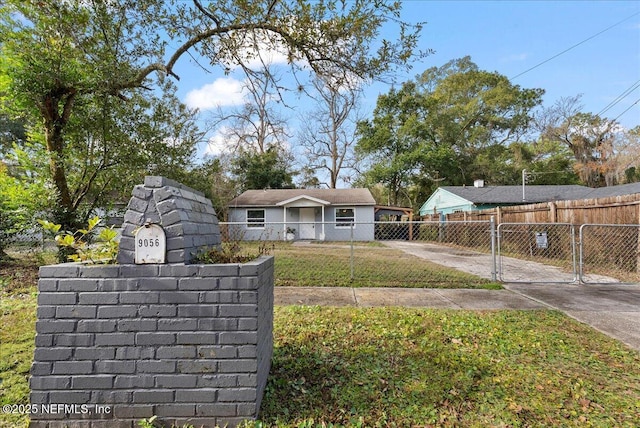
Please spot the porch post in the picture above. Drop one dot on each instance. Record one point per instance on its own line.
(322, 207)
(284, 223)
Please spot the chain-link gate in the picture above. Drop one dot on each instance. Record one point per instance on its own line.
(609, 253)
(548, 244)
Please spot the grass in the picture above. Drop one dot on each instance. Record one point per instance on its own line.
(18, 279)
(399, 367)
(329, 265)
(404, 367)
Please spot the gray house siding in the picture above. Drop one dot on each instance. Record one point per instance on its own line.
(313, 214)
(272, 228)
(362, 230)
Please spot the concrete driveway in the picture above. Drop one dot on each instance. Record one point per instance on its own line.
(612, 309)
(481, 264)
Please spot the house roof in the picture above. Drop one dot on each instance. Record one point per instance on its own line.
(620, 190)
(274, 197)
(538, 193)
(513, 194)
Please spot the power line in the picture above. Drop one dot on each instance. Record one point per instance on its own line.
(620, 97)
(627, 109)
(574, 46)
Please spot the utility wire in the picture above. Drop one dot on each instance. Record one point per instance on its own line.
(620, 97)
(627, 109)
(574, 46)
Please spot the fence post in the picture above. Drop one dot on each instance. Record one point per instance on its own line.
(410, 227)
(351, 257)
(494, 273)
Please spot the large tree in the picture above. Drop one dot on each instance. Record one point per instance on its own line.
(390, 144)
(602, 149)
(446, 126)
(268, 170)
(64, 54)
(257, 124)
(628, 156)
(328, 131)
(544, 162)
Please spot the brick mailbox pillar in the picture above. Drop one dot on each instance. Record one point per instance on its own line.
(189, 343)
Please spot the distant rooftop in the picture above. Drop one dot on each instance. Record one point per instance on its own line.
(538, 193)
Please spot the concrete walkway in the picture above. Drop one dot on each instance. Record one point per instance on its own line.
(612, 309)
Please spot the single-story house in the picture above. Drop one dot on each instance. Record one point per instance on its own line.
(314, 214)
(450, 199)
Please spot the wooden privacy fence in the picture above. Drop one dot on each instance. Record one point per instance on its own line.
(612, 210)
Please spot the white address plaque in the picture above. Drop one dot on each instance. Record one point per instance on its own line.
(151, 244)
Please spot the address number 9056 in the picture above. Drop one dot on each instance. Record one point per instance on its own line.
(147, 243)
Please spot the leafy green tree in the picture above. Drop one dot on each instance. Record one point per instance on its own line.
(545, 162)
(268, 170)
(18, 207)
(599, 145)
(63, 61)
(12, 131)
(448, 126)
(213, 178)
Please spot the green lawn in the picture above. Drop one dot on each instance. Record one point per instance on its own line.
(17, 333)
(373, 265)
(400, 367)
(405, 367)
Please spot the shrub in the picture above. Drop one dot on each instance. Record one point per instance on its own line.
(103, 250)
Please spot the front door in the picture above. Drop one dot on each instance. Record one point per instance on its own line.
(307, 223)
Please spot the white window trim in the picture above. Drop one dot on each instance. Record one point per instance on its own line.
(346, 224)
(250, 223)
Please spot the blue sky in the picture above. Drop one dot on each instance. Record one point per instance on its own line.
(509, 37)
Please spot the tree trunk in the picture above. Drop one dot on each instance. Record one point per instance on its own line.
(55, 122)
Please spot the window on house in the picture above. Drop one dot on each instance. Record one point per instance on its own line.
(255, 218)
(345, 216)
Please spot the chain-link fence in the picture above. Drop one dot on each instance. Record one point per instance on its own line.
(356, 253)
(609, 253)
(351, 253)
(468, 234)
(547, 243)
(362, 254)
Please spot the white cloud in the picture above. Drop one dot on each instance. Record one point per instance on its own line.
(267, 56)
(218, 143)
(263, 48)
(223, 92)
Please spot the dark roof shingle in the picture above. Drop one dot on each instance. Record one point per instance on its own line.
(271, 197)
(538, 193)
(513, 194)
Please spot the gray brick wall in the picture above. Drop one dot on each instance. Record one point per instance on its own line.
(189, 343)
(187, 217)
